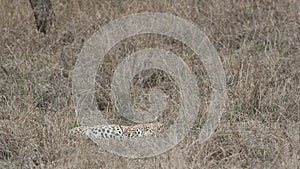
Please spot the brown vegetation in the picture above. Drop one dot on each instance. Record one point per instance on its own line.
(258, 42)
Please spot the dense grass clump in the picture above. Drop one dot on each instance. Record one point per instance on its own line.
(258, 42)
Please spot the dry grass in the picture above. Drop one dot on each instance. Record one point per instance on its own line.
(258, 42)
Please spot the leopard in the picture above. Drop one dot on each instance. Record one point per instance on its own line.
(115, 131)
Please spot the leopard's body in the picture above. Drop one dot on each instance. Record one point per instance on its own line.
(119, 131)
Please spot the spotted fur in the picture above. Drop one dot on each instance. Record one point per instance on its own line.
(119, 131)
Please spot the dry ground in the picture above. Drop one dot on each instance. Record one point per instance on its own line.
(258, 42)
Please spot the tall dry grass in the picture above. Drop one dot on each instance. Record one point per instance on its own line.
(258, 42)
